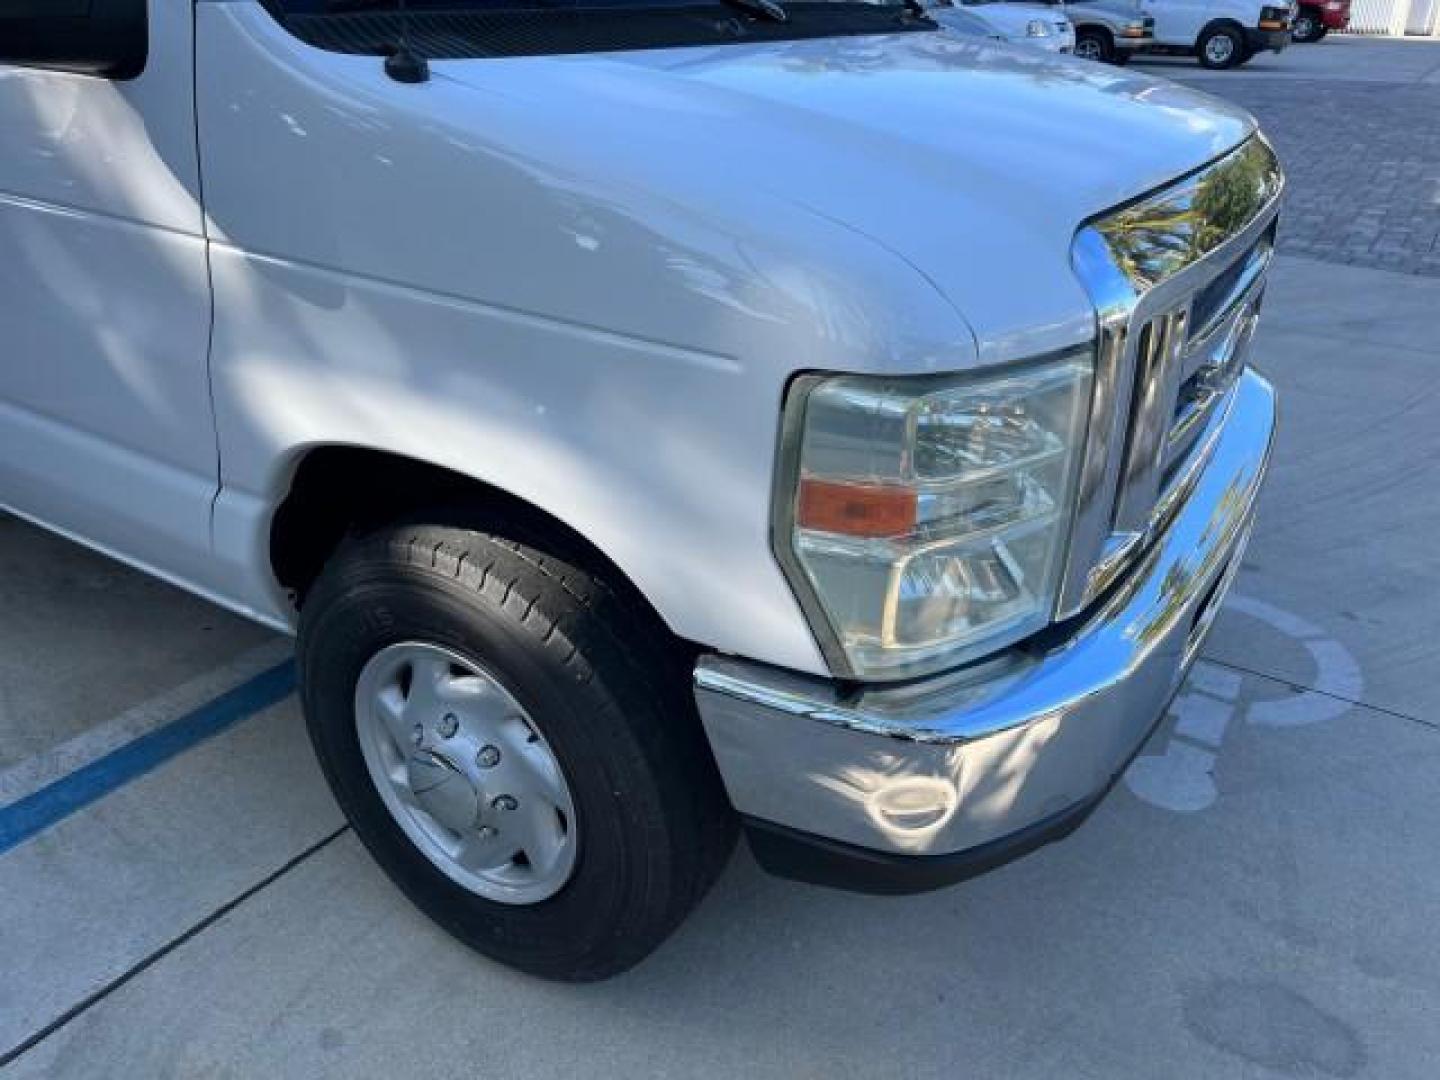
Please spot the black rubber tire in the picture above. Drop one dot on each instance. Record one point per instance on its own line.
(602, 680)
(1104, 47)
(1308, 28)
(1237, 54)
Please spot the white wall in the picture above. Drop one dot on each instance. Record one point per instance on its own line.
(1395, 17)
(1424, 17)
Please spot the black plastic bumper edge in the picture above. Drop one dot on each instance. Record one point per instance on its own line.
(816, 860)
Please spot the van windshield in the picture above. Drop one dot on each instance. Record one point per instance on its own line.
(458, 29)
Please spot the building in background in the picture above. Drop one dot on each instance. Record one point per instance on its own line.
(1395, 17)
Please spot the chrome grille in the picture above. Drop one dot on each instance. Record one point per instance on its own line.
(1221, 323)
(1177, 279)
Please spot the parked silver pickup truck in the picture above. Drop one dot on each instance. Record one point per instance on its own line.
(652, 420)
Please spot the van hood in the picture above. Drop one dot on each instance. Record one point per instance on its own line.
(974, 161)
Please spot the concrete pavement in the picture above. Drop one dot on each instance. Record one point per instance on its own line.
(61, 673)
(1348, 527)
(1284, 931)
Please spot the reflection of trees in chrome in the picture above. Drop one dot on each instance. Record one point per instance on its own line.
(1158, 236)
(1179, 585)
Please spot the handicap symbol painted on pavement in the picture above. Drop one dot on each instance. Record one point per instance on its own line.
(1181, 778)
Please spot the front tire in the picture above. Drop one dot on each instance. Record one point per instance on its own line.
(438, 663)
(1307, 28)
(1092, 44)
(1220, 48)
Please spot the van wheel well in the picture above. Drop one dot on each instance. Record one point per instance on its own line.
(340, 492)
(1216, 24)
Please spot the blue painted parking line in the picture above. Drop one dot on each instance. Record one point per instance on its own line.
(37, 812)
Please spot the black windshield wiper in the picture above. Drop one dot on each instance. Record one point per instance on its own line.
(766, 9)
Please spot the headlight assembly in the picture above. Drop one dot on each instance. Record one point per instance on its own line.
(923, 520)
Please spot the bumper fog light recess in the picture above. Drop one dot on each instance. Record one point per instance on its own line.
(911, 808)
(923, 520)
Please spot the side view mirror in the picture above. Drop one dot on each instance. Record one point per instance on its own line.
(108, 38)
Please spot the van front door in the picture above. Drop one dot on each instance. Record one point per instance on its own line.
(106, 429)
(1177, 22)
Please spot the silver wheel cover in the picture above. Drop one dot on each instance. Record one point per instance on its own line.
(1219, 49)
(465, 773)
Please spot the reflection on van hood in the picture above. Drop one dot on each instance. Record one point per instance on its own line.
(961, 156)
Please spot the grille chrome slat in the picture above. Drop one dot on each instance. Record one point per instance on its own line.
(1214, 353)
(1210, 369)
(1214, 304)
(1157, 378)
(1176, 278)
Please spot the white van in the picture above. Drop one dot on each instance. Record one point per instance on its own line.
(1219, 33)
(652, 420)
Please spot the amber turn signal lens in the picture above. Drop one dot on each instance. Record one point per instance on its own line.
(866, 510)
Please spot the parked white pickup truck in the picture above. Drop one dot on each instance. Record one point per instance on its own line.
(651, 419)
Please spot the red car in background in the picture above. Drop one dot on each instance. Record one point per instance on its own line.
(1316, 18)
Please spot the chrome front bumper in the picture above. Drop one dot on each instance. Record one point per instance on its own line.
(961, 763)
